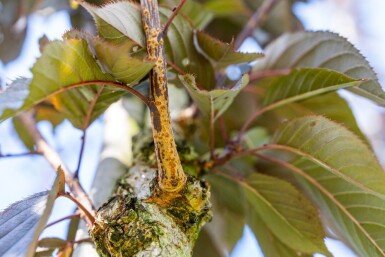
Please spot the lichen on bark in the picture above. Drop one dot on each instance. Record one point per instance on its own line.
(131, 225)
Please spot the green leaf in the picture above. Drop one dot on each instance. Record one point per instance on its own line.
(270, 245)
(65, 65)
(73, 228)
(216, 101)
(284, 210)
(181, 51)
(52, 242)
(342, 175)
(22, 223)
(124, 16)
(205, 246)
(338, 110)
(118, 20)
(255, 137)
(198, 15)
(304, 83)
(226, 7)
(226, 228)
(117, 61)
(322, 50)
(23, 134)
(222, 54)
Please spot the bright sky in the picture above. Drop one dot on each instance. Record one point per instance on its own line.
(25, 176)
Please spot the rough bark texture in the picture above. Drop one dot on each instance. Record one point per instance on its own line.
(171, 177)
(129, 225)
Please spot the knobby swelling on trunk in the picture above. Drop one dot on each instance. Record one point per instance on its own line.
(154, 212)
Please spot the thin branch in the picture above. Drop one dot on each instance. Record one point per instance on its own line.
(63, 219)
(55, 161)
(255, 21)
(223, 129)
(12, 155)
(87, 121)
(83, 143)
(175, 11)
(84, 240)
(80, 205)
(212, 134)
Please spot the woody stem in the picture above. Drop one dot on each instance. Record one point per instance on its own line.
(171, 177)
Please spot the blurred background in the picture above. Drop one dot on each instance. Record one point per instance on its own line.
(362, 22)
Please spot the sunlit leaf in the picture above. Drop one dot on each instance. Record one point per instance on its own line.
(215, 101)
(22, 223)
(68, 75)
(222, 54)
(323, 50)
(343, 176)
(124, 16)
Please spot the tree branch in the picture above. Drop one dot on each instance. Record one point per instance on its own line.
(72, 216)
(255, 21)
(12, 155)
(171, 177)
(54, 159)
(81, 207)
(175, 11)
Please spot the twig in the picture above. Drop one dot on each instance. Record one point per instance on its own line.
(212, 129)
(175, 11)
(83, 143)
(87, 121)
(84, 240)
(223, 129)
(255, 21)
(55, 161)
(80, 205)
(11, 155)
(63, 219)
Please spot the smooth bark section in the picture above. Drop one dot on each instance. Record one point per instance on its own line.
(55, 161)
(171, 177)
